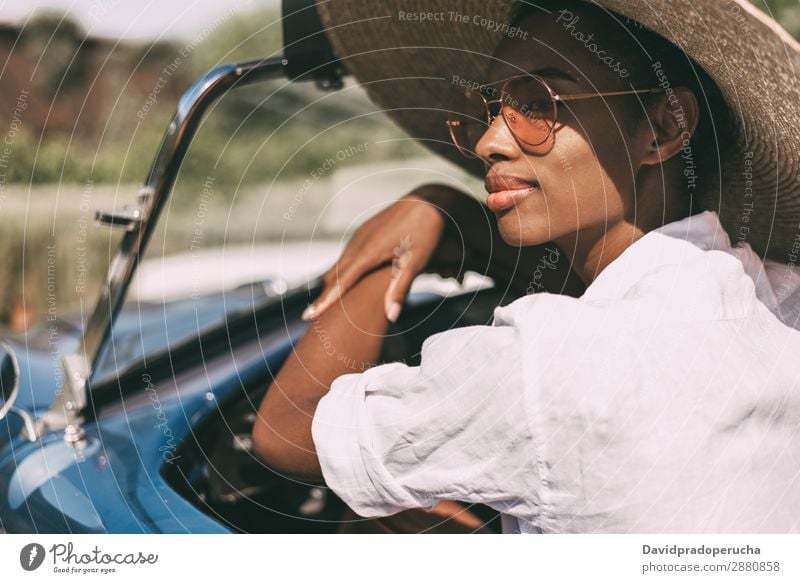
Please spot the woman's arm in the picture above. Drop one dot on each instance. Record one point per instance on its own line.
(346, 338)
(348, 335)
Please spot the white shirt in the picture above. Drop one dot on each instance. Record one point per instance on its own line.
(665, 399)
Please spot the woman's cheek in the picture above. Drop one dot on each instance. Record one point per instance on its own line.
(595, 193)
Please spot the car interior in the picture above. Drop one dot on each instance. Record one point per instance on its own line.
(218, 472)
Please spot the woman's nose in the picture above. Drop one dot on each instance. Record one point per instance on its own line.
(497, 142)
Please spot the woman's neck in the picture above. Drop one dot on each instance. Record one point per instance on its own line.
(593, 248)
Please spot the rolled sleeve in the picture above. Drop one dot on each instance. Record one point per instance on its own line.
(397, 437)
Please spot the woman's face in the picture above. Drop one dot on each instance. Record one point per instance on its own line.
(580, 183)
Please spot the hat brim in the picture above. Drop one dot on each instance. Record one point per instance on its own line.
(406, 66)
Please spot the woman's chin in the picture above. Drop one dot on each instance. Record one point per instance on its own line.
(518, 232)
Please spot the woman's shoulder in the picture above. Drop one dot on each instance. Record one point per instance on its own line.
(645, 290)
(686, 272)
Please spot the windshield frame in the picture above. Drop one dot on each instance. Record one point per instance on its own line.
(139, 222)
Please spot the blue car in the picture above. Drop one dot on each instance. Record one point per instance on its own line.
(144, 427)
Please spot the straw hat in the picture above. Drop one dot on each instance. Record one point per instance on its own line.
(406, 62)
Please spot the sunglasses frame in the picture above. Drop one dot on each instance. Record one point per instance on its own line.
(554, 97)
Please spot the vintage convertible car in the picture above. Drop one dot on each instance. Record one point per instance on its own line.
(146, 426)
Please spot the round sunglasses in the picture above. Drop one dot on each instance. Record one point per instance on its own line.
(527, 103)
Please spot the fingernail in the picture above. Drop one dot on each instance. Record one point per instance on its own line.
(394, 312)
(309, 312)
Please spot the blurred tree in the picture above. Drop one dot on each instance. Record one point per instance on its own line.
(278, 130)
(787, 12)
(243, 121)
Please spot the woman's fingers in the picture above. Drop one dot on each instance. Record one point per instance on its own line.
(396, 294)
(337, 281)
(383, 238)
(329, 296)
(404, 271)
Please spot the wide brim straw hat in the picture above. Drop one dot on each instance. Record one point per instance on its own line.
(406, 66)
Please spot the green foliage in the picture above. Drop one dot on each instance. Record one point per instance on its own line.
(54, 159)
(255, 134)
(235, 37)
(277, 130)
(787, 12)
(271, 131)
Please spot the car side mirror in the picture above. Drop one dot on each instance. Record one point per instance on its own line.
(9, 379)
(308, 52)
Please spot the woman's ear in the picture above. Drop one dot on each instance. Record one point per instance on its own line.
(673, 121)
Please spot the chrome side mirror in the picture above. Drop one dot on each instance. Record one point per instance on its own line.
(9, 379)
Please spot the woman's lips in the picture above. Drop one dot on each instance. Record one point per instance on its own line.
(504, 199)
(505, 191)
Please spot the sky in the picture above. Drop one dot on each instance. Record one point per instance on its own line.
(133, 19)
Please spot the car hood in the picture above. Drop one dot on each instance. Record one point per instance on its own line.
(140, 327)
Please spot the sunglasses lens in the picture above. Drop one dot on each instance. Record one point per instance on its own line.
(467, 121)
(527, 107)
(529, 110)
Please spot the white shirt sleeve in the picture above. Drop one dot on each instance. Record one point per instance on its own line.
(456, 427)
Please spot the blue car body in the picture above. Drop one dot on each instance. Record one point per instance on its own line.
(165, 450)
(116, 481)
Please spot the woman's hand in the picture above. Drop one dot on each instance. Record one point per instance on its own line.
(439, 229)
(405, 235)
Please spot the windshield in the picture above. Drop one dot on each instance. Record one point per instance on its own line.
(274, 184)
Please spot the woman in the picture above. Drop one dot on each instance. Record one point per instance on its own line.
(653, 386)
